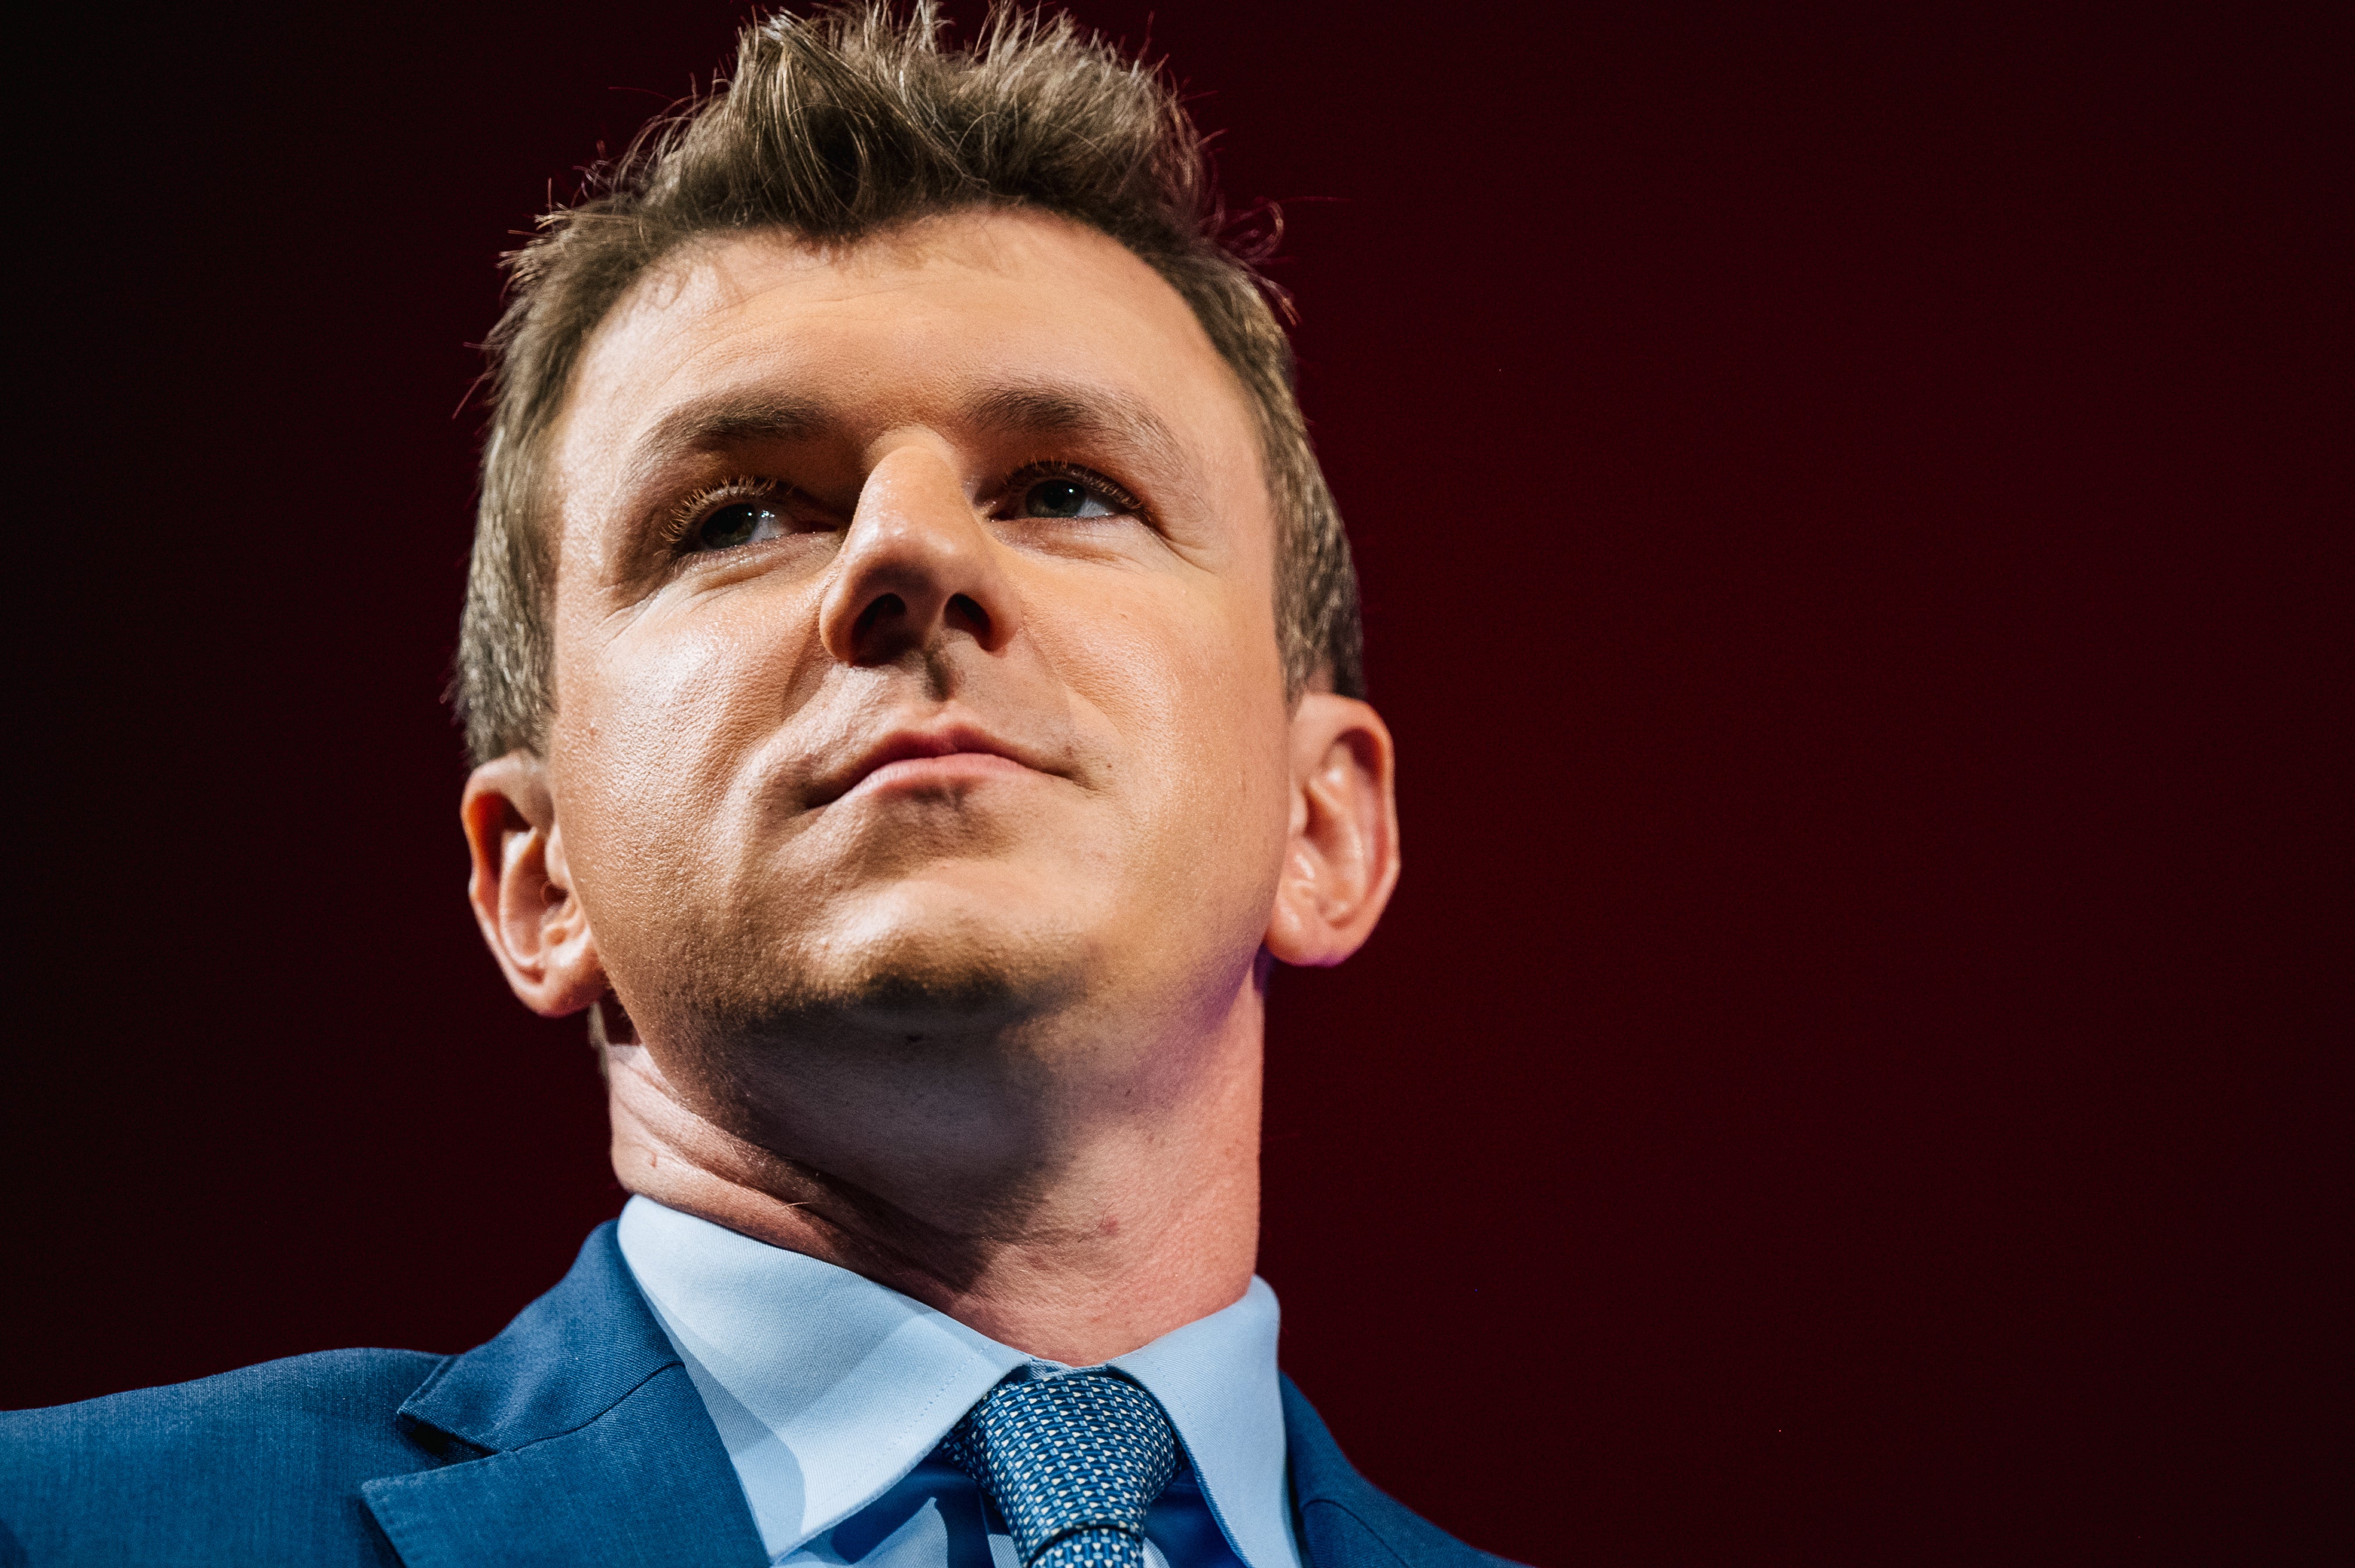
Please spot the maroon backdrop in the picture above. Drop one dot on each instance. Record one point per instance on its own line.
(1854, 518)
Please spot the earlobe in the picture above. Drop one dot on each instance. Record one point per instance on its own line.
(1342, 860)
(521, 887)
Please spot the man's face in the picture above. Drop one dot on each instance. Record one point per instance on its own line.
(915, 652)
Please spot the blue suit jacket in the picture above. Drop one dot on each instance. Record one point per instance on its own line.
(573, 1438)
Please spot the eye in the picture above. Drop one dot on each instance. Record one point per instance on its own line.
(741, 524)
(1063, 498)
(1060, 495)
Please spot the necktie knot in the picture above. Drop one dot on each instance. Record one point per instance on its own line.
(1072, 1463)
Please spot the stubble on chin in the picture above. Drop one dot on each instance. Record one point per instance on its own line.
(741, 985)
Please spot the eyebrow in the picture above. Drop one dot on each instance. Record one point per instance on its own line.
(1024, 407)
(1013, 407)
(734, 416)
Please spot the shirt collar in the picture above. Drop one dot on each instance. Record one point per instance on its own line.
(1217, 1379)
(828, 1388)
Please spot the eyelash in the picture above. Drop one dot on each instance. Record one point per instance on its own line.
(696, 508)
(1055, 468)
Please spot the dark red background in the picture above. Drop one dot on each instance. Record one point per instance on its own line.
(1854, 517)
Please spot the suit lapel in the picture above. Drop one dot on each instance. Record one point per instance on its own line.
(645, 1483)
(593, 1447)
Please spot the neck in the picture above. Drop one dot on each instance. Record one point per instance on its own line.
(1072, 1198)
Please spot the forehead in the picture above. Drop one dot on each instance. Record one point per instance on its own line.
(901, 328)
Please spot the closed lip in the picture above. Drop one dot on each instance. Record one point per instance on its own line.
(917, 745)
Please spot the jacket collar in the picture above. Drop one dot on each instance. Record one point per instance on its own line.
(594, 1447)
(1344, 1521)
(580, 1440)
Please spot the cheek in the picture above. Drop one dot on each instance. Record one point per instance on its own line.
(1195, 693)
(652, 719)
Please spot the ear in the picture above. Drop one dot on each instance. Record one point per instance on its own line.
(522, 889)
(1343, 857)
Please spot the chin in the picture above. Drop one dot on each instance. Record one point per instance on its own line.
(920, 959)
(928, 957)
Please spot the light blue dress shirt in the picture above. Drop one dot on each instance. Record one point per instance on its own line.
(831, 1392)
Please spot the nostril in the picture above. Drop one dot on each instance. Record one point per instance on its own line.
(885, 607)
(965, 613)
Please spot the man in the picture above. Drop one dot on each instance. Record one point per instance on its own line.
(910, 665)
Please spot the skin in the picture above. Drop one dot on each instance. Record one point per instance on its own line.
(924, 855)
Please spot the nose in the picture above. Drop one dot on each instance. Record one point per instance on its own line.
(916, 567)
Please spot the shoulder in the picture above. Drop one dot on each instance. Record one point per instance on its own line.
(262, 1464)
(332, 1392)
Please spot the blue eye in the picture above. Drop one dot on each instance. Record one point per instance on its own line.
(739, 524)
(1063, 498)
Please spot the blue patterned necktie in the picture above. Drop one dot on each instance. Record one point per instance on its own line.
(1072, 1463)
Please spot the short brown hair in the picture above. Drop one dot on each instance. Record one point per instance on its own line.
(833, 128)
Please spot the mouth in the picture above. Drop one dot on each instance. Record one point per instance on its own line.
(921, 759)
